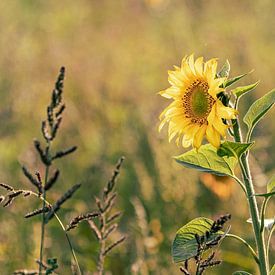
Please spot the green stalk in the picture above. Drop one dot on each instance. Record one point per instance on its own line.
(269, 240)
(101, 257)
(43, 215)
(45, 202)
(263, 212)
(246, 244)
(253, 207)
(70, 244)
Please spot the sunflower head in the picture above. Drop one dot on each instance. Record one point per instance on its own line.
(196, 112)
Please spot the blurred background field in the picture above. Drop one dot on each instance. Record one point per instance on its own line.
(117, 54)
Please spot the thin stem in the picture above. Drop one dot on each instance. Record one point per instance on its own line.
(70, 244)
(253, 253)
(240, 183)
(263, 209)
(254, 212)
(43, 220)
(268, 240)
(100, 265)
(63, 228)
(248, 137)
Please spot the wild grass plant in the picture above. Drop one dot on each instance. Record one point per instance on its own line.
(102, 229)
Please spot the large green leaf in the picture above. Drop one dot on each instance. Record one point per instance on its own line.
(239, 91)
(206, 159)
(258, 109)
(241, 273)
(185, 245)
(233, 149)
(233, 80)
(272, 272)
(224, 72)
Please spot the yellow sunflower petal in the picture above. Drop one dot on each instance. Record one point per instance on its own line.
(225, 112)
(186, 141)
(175, 79)
(171, 92)
(162, 123)
(210, 67)
(199, 65)
(168, 109)
(220, 126)
(199, 137)
(195, 111)
(172, 135)
(213, 136)
(211, 116)
(192, 64)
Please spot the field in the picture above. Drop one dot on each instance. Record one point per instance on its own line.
(117, 54)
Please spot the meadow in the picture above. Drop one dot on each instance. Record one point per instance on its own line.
(116, 55)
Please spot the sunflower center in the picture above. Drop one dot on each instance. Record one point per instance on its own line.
(197, 102)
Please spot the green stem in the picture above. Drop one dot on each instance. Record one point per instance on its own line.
(45, 202)
(43, 221)
(263, 209)
(101, 257)
(70, 244)
(253, 207)
(240, 183)
(253, 253)
(268, 240)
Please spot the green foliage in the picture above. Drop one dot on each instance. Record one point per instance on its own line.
(235, 79)
(185, 244)
(241, 273)
(258, 109)
(233, 149)
(271, 185)
(270, 188)
(240, 91)
(272, 272)
(107, 79)
(225, 70)
(52, 266)
(207, 160)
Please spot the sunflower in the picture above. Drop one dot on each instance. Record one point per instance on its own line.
(196, 111)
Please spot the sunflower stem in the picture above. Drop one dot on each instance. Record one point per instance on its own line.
(251, 250)
(253, 207)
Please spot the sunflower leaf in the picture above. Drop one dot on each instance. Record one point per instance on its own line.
(185, 245)
(206, 159)
(258, 109)
(233, 149)
(266, 195)
(241, 273)
(272, 272)
(240, 91)
(224, 72)
(233, 80)
(271, 185)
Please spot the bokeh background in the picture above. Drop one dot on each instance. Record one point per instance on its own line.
(117, 54)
